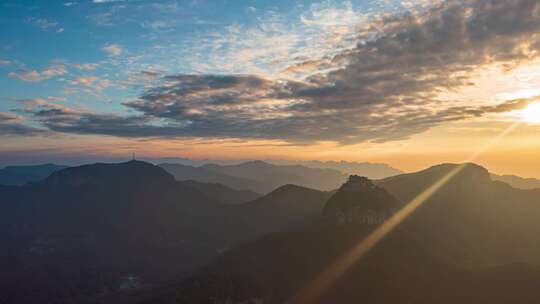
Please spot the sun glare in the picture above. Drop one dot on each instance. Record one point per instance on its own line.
(532, 113)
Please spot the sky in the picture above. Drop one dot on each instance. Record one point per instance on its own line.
(410, 83)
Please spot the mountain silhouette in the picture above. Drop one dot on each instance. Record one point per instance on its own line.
(224, 194)
(489, 218)
(470, 242)
(131, 233)
(287, 207)
(517, 181)
(85, 230)
(101, 174)
(271, 176)
(91, 232)
(201, 174)
(20, 175)
(259, 176)
(370, 170)
(359, 201)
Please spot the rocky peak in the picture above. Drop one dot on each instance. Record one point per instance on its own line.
(360, 201)
(357, 183)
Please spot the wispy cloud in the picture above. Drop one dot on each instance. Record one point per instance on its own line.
(108, 1)
(86, 81)
(91, 82)
(277, 42)
(31, 103)
(85, 66)
(113, 49)
(46, 25)
(34, 75)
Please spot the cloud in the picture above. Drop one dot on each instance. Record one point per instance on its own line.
(144, 79)
(277, 41)
(31, 104)
(86, 66)
(31, 75)
(113, 49)
(158, 24)
(107, 1)
(8, 117)
(85, 81)
(103, 84)
(4, 62)
(34, 75)
(12, 125)
(68, 120)
(386, 87)
(92, 84)
(45, 25)
(48, 113)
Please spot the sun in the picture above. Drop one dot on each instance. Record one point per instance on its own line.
(531, 113)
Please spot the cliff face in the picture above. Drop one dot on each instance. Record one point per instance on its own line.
(360, 201)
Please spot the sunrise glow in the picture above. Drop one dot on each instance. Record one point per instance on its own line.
(531, 114)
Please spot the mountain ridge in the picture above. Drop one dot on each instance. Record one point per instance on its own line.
(20, 175)
(85, 232)
(518, 181)
(273, 176)
(450, 237)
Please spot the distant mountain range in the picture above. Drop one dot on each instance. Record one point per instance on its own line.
(473, 241)
(370, 170)
(87, 233)
(20, 175)
(221, 193)
(518, 182)
(201, 174)
(186, 169)
(138, 233)
(259, 176)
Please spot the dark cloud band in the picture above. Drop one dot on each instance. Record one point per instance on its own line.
(387, 89)
(12, 125)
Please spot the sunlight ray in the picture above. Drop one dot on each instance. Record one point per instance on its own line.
(325, 279)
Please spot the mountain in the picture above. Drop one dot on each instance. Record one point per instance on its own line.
(20, 175)
(221, 193)
(518, 182)
(286, 207)
(201, 174)
(475, 211)
(370, 170)
(258, 176)
(192, 162)
(401, 269)
(472, 241)
(271, 176)
(91, 233)
(88, 231)
(359, 200)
